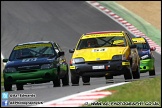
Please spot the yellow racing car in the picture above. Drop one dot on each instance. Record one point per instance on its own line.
(104, 54)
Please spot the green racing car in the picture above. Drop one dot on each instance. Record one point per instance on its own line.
(35, 62)
(146, 55)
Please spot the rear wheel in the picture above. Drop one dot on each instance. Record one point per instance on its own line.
(56, 82)
(136, 74)
(128, 74)
(75, 79)
(19, 86)
(7, 87)
(86, 80)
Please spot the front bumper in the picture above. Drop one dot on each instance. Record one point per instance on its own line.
(146, 65)
(38, 76)
(97, 69)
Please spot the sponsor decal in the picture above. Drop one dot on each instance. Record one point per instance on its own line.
(145, 56)
(99, 49)
(31, 46)
(72, 67)
(29, 59)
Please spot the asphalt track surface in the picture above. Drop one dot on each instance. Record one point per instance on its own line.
(60, 21)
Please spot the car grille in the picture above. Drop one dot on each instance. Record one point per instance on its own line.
(30, 68)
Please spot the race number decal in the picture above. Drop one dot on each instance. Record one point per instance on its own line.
(145, 56)
(99, 50)
(29, 59)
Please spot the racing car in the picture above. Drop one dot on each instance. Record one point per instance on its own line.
(104, 54)
(35, 62)
(146, 55)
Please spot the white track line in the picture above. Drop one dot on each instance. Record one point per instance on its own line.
(79, 95)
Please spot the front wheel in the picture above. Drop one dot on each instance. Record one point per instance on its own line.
(65, 79)
(109, 78)
(56, 82)
(152, 72)
(86, 80)
(7, 87)
(128, 74)
(75, 79)
(19, 86)
(136, 74)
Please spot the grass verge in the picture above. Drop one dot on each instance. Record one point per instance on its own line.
(140, 93)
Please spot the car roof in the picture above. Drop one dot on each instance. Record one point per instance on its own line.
(36, 42)
(139, 40)
(102, 34)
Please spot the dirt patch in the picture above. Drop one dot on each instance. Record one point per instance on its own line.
(150, 11)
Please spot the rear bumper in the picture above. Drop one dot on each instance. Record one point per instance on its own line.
(100, 69)
(30, 77)
(146, 65)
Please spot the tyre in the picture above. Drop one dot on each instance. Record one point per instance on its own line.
(75, 80)
(128, 74)
(56, 82)
(86, 80)
(152, 72)
(19, 86)
(65, 79)
(7, 87)
(136, 74)
(109, 78)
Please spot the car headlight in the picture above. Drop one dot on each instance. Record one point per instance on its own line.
(119, 57)
(10, 69)
(47, 66)
(77, 60)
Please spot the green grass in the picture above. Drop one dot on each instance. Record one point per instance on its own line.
(147, 91)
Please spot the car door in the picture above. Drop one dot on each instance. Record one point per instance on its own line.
(62, 60)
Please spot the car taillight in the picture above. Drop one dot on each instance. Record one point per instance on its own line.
(129, 57)
(71, 62)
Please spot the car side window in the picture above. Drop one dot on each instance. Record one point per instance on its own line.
(130, 42)
(130, 39)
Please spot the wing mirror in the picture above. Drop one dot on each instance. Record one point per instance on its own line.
(71, 50)
(5, 60)
(153, 48)
(61, 53)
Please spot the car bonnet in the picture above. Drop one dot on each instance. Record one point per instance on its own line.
(104, 53)
(29, 61)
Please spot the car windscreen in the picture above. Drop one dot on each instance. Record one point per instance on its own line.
(31, 51)
(112, 41)
(142, 46)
